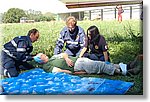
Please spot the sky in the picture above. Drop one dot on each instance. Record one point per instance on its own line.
(37, 5)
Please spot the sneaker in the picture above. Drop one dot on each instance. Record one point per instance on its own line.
(123, 68)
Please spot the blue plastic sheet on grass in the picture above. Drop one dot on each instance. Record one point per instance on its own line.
(37, 81)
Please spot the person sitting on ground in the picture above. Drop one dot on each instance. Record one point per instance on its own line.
(96, 47)
(73, 65)
(72, 37)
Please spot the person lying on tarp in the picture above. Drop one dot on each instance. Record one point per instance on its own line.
(74, 65)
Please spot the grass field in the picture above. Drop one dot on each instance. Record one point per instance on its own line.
(124, 40)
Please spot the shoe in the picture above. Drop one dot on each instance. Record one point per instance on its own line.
(133, 71)
(123, 68)
(134, 63)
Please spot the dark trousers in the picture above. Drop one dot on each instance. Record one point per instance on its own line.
(73, 53)
(95, 57)
(13, 67)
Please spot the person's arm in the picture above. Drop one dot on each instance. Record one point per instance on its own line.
(82, 38)
(105, 55)
(82, 52)
(68, 60)
(85, 46)
(56, 69)
(104, 48)
(59, 44)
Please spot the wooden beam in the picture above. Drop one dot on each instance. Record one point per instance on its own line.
(98, 4)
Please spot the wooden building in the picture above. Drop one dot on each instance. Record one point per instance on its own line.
(97, 9)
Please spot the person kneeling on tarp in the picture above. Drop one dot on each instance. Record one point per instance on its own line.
(73, 65)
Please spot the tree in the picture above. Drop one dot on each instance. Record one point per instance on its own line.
(50, 16)
(13, 15)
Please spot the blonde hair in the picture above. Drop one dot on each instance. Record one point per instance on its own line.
(74, 21)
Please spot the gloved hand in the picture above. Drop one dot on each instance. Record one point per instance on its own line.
(37, 59)
(106, 62)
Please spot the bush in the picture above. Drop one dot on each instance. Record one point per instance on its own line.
(13, 15)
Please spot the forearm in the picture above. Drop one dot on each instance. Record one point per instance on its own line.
(59, 46)
(55, 69)
(105, 56)
(69, 62)
(64, 55)
(82, 52)
(57, 50)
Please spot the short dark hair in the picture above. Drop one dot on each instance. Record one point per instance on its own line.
(34, 31)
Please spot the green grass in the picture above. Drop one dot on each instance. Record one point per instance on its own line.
(124, 40)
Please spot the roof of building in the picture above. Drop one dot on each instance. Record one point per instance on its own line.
(97, 3)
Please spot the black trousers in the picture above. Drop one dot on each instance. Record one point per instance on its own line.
(96, 57)
(11, 66)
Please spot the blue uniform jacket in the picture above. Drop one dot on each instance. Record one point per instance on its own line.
(74, 42)
(19, 48)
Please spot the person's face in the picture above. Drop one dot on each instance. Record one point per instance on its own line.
(34, 37)
(43, 57)
(71, 25)
(89, 35)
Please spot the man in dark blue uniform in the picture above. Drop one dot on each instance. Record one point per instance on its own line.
(16, 53)
(73, 36)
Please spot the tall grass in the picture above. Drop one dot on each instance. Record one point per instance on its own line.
(118, 35)
(124, 40)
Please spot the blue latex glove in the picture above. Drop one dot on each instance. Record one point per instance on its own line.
(106, 62)
(37, 59)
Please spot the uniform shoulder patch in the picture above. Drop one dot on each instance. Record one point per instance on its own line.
(96, 47)
(106, 47)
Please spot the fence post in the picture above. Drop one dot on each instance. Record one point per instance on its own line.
(79, 16)
(115, 13)
(89, 15)
(130, 12)
(101, 14)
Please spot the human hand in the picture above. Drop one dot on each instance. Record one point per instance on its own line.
(69, 62)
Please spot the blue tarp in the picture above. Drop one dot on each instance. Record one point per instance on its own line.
(37, 81)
